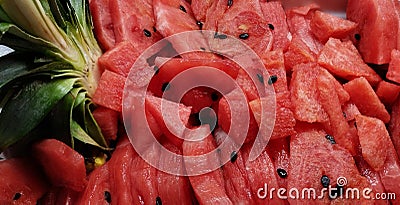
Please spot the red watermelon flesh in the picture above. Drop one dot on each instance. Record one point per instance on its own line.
(60, 195)
(107, 120)
(134, 21)
(342, 60)
(198, 98)
(21, 182)
(154, 126)
(225, 116)
(214, 14)
(284, 120)
(98, 186)
(350, 111)
(377, 23)
(390, 174)
(200, 8)
(237, 185)
(299, 25)
(394, 125)
(274, 63)
(168, 121)
(102, 23)
(298, 52)
(366, 100)
(304, 96)
(324, 26)
(330, 102)
(246, 17)
(278, 150)
(119, 59)
(109, 91)
(259, 172)
(372, 177)
(208, 188)
(62, 165)
(121, 187)
(394, 67)
(311, 157)
(275, 16)
(173, 189)
(143, 176)
(247, 85)
(387, 92)
(374, 139)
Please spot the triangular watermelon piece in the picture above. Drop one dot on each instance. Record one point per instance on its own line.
(342, 60)
(394, 67)
(387, 92)
(297, 53)
(110, 90)
(366, 100)
(325, 25)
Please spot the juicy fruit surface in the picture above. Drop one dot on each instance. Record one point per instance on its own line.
(330, 100)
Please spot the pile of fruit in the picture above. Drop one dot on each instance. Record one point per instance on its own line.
(64, 132)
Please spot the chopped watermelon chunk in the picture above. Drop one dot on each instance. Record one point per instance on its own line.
(276, 18)
(377, 28)
(120, 59)
(200, 8)
(21, 182)
(366, 100)
(274, 62)
(390, 174)
(387, 92)
(199, 98)
(110, 90)
(98, 189)
(107, 120)
(63, 165)
(374, 139)
(312, 157)
(394, 125)
(102, 23)
(341, 59)
(350, 111)
(247, 85)
(297, 53)
(172, 124)
(394, 67)
(324, 26)
(278, 150)
(209, 187)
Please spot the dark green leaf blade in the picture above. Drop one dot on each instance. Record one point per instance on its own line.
(29, 107)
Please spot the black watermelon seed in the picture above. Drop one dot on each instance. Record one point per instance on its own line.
(344, 115)
(220, 36)
(182, 8)
(230, 2)
(199, 24)
(244, 36)
(270, 26)
(357, 36)
(147, 33)
(202, 48)
(272, 79)
(214, 96)
(154, 29)
(165, 86)
(325, 181)
(158, 201)
(331, 139)
(233, 156)
(17, 196)
(260, 78)
(156, 69)
(107, 196)
(282, 173)
(355, 124)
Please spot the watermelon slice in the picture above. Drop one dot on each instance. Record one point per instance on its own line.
(63, 165)
(377, 22)
(208, 188)
(387, 92)
(374, 139)
(276, 18)
(102, 23)
(325, 26)
(394, 67)
(120, 59)
(342, 59)
(366, 100)
(109, 91)
(98, 189)
(312, 157)
(21, 182)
